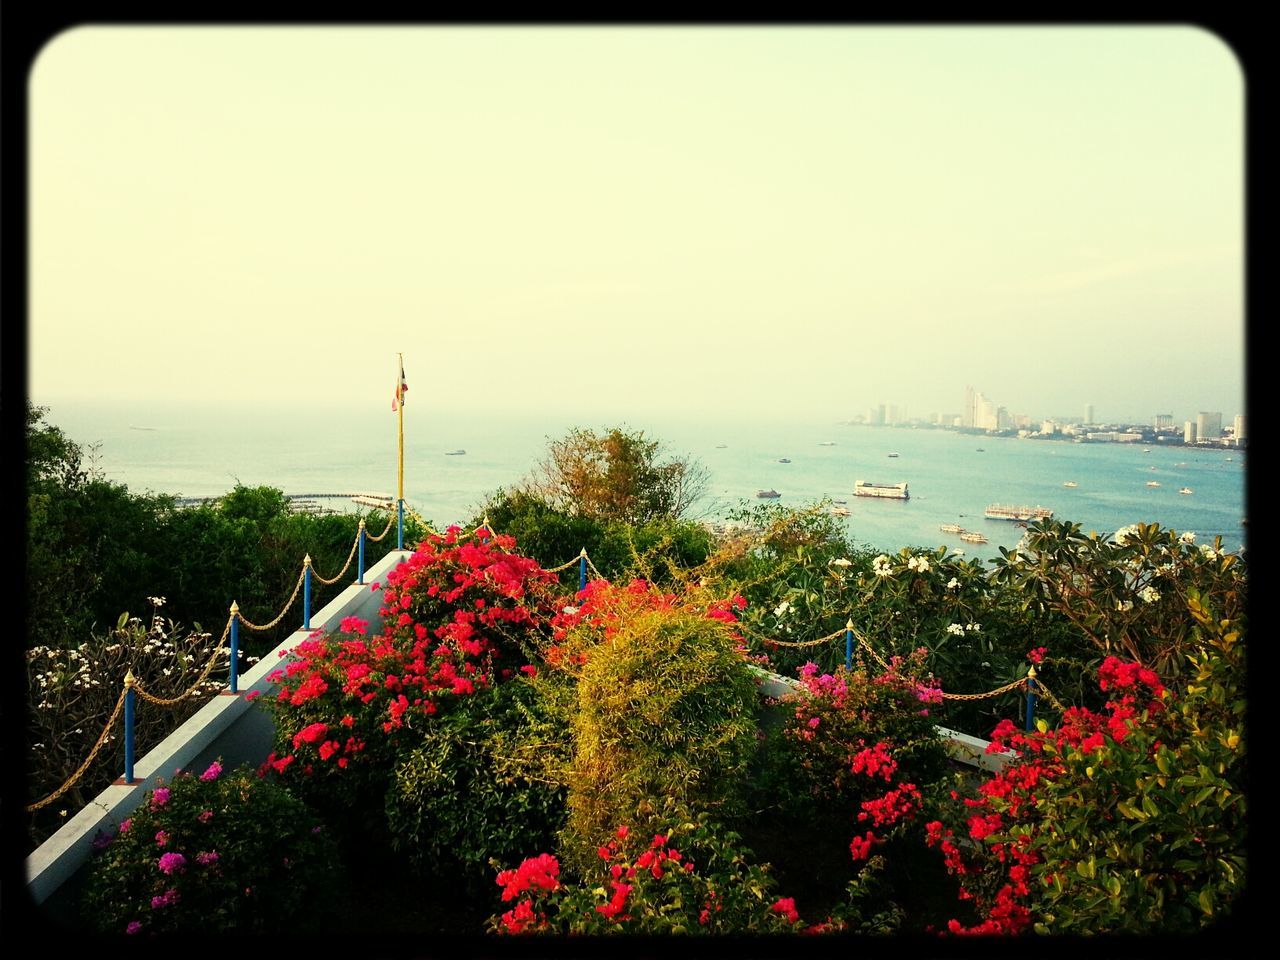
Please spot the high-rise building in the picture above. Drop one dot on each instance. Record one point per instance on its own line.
(1048, 426)
(1209, 425)
(1163, 421)
(876, 415)
(1189, 432)
(1088, 413)
(1240, 429)
(967, 411)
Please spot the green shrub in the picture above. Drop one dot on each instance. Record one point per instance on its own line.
(663, 712)
(218, 853)
(478, 786)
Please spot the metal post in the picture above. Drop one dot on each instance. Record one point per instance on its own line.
(582, 570)
(129, 695)
(848, 644)
(1031, 698)
(400, 524)
(360, 568)
(234, 670)
(306, 592)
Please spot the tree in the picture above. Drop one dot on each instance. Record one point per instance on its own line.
(617, 475)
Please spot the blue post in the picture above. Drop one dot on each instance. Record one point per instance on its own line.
(582, 570)
(400, 524)
(129, 696)
(360, 568)
(1031, 699)
(306, 592)
(484, 525)
(234, 671)
(848, 644)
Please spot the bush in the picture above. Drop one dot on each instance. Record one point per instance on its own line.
(663, 709)
(459, 616)
(478, 786)
(1128, 821)
(692, 878)
(212, 854)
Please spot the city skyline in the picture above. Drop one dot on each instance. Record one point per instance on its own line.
(710, 221)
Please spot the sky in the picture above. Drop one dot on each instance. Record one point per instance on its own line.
(713, 221)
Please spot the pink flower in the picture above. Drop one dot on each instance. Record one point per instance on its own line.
(125, 824)
(166, 899)
(1037, 655)
(214, 771)
(160, 797)
(172, 863)
(253, 695)
(133, 927)
(206, 858)
(787, 907)
(162, 839)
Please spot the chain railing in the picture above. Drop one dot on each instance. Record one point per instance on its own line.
(133, 688)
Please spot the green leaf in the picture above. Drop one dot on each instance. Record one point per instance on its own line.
(1206, 902)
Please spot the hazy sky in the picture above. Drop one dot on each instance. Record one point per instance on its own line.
(631, 220)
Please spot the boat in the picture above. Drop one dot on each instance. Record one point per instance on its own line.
(893, 454)
(1153, 483)
(767, 494)
(783, 460)
(1186, 490)
(841, 502)
(454, 453)
(972, 536)
(951, 528)
(1003, 511)
(722, 446)
(826, 443)
(891, 491)
(1071, 483)
(980, 450)
(840, 511)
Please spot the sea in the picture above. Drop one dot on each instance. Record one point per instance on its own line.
(952, 477)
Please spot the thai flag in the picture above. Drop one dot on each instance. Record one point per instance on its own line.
(401, 389)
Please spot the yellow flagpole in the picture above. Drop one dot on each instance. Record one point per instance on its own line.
(400, 431)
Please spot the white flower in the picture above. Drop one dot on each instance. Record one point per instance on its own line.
(920, 564)
(974, 627)
(1124, 533)
(953, 584)
(955, 629)
(1188, 537)
(842, 562)
(1124, 605)
(881, 567)
(1149, 594)
(156, 601)
(781, 608)
(570, 610)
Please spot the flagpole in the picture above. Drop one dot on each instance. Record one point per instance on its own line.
(400, 456)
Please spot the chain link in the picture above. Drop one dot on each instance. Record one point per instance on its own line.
(372, 539)
(592, 567)
(199, 682)
(786, 643)
(1021, 682)
(72, 780)
(1042, 690)
(563, 566)
(354, 543)
(296, 587)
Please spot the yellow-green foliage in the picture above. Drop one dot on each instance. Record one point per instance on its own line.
(664, 721)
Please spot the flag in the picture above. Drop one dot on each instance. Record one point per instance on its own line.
(401, 389)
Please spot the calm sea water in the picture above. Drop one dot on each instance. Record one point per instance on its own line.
(204, 453)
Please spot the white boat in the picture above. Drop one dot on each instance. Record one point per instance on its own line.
(840, 511)
(951, 528)
(893, 454)
(373, 500)
(1186, 490)
(783, 460)
(1003, 511)
(1071, 483)
(826, 443)
(891, 491)
(972, 536)
(1153, 483)
(767, 494)
(454, 453)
